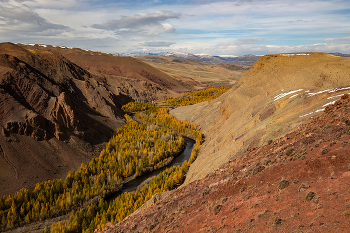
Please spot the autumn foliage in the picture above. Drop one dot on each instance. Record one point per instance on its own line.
(158, 123)
(194, 97)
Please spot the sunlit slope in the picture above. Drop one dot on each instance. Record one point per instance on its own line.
(207, 73)
(274, 97)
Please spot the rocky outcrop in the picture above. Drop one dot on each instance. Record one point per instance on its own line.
(63, 114)
(25, 128)
(34, 91)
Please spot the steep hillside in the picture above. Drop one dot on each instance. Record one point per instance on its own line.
(275, 96)
(113, 67)
(205, 73)
(296, 183)
(55, 114)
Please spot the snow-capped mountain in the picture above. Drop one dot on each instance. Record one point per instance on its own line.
(247, 60)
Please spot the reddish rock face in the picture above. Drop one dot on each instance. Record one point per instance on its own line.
(293, 184)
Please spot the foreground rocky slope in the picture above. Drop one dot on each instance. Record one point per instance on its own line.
(296, 183)
(54, 114)
(275, 96)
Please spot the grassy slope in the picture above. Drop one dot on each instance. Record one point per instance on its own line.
(201, 72)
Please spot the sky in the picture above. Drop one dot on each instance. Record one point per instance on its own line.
(213, 27)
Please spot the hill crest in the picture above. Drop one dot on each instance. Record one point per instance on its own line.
(113, 66)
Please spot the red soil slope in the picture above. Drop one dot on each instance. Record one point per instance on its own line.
(297, 183)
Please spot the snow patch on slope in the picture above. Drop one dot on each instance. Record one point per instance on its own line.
(280, 96)
(294, 54)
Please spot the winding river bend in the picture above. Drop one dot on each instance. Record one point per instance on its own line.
(178, 160)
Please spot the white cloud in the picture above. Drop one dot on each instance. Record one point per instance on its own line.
(141, 23)
(257, 49)
(343, 39)
(157, 44)
(51, 4)
(242, 41)
(22, 21)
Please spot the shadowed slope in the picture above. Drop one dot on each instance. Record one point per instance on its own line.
(111, 66)
(54, 116)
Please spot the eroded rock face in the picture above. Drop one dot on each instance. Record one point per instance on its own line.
(43, 108)
(62, 113)
(53, 96)
(24, 128)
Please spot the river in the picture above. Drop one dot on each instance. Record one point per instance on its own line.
(178, 160)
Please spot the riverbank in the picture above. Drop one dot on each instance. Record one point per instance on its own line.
(185, 154)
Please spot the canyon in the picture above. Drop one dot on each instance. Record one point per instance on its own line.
(275, 150)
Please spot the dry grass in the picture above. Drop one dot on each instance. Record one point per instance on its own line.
(207, 73)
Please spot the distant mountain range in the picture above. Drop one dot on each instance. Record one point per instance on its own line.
(341, 54)
(246, 60)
